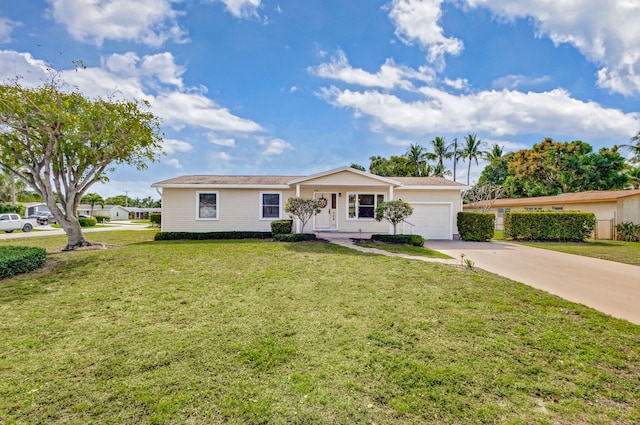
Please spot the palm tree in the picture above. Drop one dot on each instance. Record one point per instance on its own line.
(93, 199)
(472, 150)
(455, 152)
(441, 151)
(496, 152)
(634, 148)
(633, 173)
(418, 156)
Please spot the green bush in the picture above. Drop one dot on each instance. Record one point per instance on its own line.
(475, 226)
(174, 236)
(9, 208)
(415, 240)
(281, 227)
(295, 237)
(102, 218)
(155, 218)
(87, 222)
(628, 231)
(20, 259)
(549, 226)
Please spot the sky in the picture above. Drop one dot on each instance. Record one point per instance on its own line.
(290, 87)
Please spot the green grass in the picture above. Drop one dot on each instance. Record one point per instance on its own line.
(404, 249)
(619, 251)
(251, 332)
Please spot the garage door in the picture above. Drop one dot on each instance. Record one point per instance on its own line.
(432, 221)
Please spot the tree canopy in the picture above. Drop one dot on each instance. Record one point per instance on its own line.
(60, 143)
(551, 168)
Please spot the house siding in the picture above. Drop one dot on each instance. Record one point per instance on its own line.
(629, 210)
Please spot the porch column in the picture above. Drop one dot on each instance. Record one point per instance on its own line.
(391, 199)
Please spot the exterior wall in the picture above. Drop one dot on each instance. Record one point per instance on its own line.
(629, 210)
(434, 196)
(342, 179)
(238, 210)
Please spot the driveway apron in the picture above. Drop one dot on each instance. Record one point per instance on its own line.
(613, 288)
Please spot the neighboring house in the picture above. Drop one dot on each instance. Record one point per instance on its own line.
(31, 208)
(136, 213)
(349, 196)
(114, 212)
(610, 207)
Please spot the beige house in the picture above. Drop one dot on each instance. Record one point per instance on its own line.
(610, 207)
(349, 196)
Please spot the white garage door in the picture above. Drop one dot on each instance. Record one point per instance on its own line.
(432, 221)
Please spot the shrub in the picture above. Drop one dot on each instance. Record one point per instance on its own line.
(281, 227)
(549, 226)
(476, 226)
(155, 218)
(102, 218)
(174, 236)
(87, 222)
(628, 231)
(295, 237)
(9, 208)
(20, 259)
(415, 240)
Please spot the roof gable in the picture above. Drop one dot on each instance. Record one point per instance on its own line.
(339, 176)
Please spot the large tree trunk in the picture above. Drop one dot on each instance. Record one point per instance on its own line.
(75, 237)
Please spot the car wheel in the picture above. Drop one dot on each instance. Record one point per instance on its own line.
(27, 227)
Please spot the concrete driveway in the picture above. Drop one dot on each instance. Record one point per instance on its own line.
(610, 287)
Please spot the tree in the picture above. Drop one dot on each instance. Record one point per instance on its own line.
(441, 151)
(634, 148)
(633, 174)
(394, 212)
(482, 197)
(472, 151)
(395, 166)
(417, 156)
(358, 167)
(302, 209)
(496, 152)
(92, 199)
(61, 143)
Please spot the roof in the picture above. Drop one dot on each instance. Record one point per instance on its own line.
(569, 198)
(191, 181)
(97, 207)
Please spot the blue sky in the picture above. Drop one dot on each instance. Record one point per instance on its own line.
(296, 87)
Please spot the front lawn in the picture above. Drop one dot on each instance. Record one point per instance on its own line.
(254, 332)
(404, 249)
(620, 251)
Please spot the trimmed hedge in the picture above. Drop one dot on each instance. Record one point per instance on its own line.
(475, 226)
(20, 259)
(193, 236)
(549, 226)
(10, 208)
(295, 237)
(87, 222)
(155, 218)
(628, 231)
(281, 227)
(415, 240)
(102, 218)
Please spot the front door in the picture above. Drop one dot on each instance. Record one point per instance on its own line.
(325, 219)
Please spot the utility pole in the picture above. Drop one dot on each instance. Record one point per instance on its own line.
(126, 198)
(455, 157)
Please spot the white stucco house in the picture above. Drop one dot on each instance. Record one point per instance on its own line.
(114, 212)
(207, 203)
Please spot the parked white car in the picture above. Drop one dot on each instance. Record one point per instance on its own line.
(11, 222)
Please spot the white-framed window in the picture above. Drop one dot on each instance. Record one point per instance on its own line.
(533, 209)
(207, 205)
(270, 205)
(557, 208)
(362, 206)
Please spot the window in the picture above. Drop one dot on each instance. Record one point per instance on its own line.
(557, 208)
(270, 205)
(532, 209)
(363, 205)
(207, 206)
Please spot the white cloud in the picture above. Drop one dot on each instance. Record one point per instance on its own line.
(389, 76)
(605, 32)
(6, 27)
(418, 20)
(150, 22)
(13, 64)
(173, 163)
(160, 67)
(171, 146)
(222, 155)
(274, 146)
(494, 113)
(515, 81)
(228, 142)
(398, 142)
(458, 83)
(242, 8)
